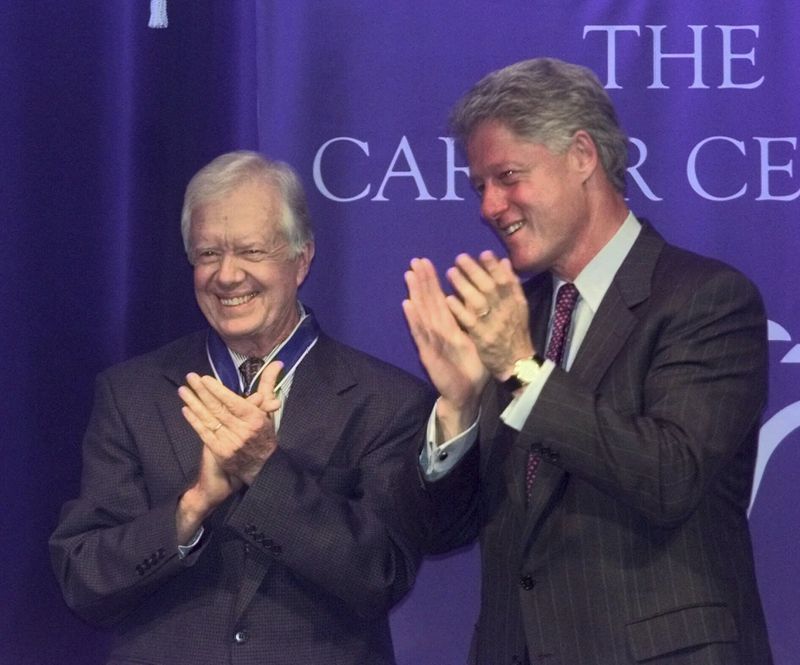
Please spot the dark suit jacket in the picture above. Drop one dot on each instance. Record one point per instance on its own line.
(301, 568)
(635, 545)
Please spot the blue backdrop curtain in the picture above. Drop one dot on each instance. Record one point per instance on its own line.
(103, 121)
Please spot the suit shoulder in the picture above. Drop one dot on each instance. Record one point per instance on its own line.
(369, 369)
(690, 289)
(154, 362)
(681, 269)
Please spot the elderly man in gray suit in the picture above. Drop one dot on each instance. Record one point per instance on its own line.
(597, 425)
(238, 493)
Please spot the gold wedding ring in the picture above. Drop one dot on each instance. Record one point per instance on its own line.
(484, 313)
(214, 429)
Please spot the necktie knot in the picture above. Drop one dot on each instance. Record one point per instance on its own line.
(249, 369)
(566, 298)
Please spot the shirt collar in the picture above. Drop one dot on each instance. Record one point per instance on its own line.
(594, 280)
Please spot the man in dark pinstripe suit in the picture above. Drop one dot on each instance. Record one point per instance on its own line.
(607, 478)
(220, 522)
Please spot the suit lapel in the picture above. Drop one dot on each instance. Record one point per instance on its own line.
(317, 409)
(611, 326)
(189, 356)
(615, 320)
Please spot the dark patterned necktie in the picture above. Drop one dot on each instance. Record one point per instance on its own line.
(249, 368)
(562, 317)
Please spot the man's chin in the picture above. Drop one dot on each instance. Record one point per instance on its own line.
(525, 264)
(231, 331)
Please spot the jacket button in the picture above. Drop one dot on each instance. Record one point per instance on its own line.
(526, 582)
(240, 637)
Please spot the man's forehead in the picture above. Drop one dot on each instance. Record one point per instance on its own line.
(250, 199)
(230, 228)
(492, 159)
(491, 150)
(235, 232)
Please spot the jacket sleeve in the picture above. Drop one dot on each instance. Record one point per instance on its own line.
(114, 545)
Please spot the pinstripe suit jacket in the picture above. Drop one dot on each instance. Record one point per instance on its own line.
(303, 566)
(634, 546)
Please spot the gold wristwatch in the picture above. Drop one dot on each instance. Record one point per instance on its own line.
(525, 370)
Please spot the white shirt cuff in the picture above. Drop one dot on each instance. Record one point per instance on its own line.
(185, 550)
(436, 461)
(517, 412)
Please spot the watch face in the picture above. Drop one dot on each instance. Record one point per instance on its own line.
(526, 370)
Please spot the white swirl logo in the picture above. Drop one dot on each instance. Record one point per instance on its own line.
(781, 424)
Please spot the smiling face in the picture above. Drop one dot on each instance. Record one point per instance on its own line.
(245, 278)
(534, 198)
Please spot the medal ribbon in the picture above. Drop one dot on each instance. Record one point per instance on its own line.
(290, 352)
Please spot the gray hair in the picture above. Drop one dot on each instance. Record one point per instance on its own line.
(224, 174)
(546, 101)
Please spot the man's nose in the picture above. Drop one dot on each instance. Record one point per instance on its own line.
(493, 202)
(229, 270)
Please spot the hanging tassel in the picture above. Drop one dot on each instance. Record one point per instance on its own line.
(158, 14)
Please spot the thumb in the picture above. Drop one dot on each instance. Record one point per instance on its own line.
(266, 386)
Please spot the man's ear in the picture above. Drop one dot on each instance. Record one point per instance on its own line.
(304, 262)
(584, 153)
